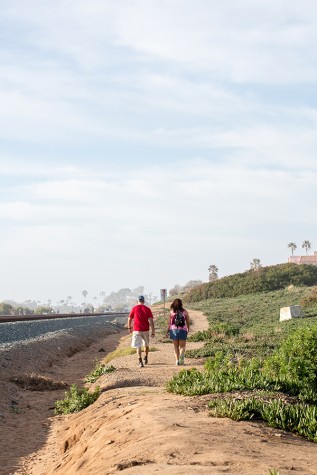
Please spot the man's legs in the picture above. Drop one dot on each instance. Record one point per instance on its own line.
(146, 345)
(139, 353)
(146, 350)
(137, 343)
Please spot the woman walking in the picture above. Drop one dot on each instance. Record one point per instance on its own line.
(178, 328)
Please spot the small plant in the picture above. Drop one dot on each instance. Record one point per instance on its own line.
(76, 399)
(274, 472)
(99, 370)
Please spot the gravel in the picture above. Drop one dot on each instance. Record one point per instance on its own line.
(36, 346)
(20, 333)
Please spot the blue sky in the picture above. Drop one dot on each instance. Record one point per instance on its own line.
(143, 140)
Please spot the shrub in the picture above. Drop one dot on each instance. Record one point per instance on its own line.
(295, 361)
(76, 399)
(310, 299)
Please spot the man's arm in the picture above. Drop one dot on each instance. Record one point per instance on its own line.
(130, 322)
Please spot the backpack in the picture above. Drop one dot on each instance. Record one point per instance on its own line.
(179, 319)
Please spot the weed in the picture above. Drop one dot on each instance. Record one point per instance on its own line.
(76, 399)
(98, 371)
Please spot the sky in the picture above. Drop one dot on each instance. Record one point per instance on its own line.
(142, 141)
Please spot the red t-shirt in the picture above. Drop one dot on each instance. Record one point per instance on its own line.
(140, 315)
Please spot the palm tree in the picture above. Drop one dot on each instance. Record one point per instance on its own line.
(306, 245)
(255, 264)
(213, 273)
(84, 294)
(102, 295)
(293, 246)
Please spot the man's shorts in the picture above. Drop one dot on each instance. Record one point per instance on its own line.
(139, 338)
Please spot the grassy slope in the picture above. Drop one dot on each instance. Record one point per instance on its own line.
(257, 318)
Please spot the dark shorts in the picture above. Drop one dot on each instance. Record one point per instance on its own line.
(178, 334)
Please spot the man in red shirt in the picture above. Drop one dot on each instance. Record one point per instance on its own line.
(142, 318)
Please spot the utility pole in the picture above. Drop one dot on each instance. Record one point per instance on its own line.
(163, 297)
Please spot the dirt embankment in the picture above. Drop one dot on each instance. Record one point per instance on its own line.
(137, 427)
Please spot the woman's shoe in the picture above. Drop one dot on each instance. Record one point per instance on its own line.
(181, 359)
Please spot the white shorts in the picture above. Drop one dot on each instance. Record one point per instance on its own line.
(138, 338)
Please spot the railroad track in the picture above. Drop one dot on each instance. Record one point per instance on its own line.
(31, 318)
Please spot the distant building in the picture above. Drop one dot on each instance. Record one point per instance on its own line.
(304, 259)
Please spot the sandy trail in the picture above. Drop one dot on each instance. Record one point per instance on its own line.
(137, 427)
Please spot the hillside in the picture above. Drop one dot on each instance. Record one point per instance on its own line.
(264, 279)
(250, 323)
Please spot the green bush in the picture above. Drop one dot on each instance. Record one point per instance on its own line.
(76, 399)
(295, 361)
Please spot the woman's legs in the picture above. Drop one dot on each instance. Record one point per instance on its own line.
(182, 346)
(176, 350)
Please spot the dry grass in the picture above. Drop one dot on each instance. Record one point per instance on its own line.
(122, 352)
(34, 382)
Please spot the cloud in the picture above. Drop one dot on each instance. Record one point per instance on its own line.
(137, 135)
(189, 212)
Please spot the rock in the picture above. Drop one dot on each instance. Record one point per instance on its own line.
(294, 311)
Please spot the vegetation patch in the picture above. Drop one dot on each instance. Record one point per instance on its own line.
(35, 382)
(298, 418)
(99, 370)
(291, 369)
(249, 324)
(76, 399)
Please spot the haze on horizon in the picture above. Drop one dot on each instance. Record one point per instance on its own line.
(141, 142)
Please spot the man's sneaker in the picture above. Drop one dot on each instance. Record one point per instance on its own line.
(145, 360)
(181, 359)
(141, 365)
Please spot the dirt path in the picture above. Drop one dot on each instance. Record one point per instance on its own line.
(137, 427)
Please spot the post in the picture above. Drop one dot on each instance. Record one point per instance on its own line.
(163, 297)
